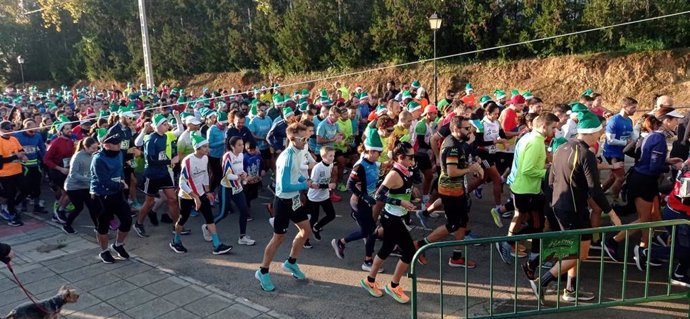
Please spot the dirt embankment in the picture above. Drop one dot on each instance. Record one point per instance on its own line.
(555, 79)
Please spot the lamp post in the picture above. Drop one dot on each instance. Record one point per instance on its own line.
(435, 24)
(20, 60)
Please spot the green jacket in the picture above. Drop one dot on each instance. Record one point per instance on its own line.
(532, 165)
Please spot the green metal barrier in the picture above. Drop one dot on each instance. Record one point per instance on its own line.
(464, 246)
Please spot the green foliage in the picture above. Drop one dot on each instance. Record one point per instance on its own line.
(94, 39)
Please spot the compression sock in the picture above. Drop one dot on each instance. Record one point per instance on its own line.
(215, 239)
(176, 238)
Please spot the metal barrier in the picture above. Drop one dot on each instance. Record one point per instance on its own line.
(559, 244)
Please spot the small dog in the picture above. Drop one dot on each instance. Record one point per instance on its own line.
(45, 309)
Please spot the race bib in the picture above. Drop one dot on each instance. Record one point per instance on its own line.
(124, 145)
(65, 162)
(162, 156)
(492, 149)
(296, 203)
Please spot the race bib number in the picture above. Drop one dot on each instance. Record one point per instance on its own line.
(492, 149)
(162, 156)
(124, 145)
(65, 162)
(296, 203)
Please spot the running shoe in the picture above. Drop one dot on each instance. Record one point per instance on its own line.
(397, 293)
(338, 247)
(272, 188)
(478, 192)
(570, 296)
(496, 215)
(183, 232)
(372, 288)
(246, 240)
(307, 244)
(507, 214)
(264, 281)
(15, 222)
(5, 214)
(335, 198)
(294, 270)
(317, 233)
(611, 248)
(367, 264)
(70, 207)
(504, 250)
(106, 257)
(140, 230)
(461, 262)
(56, 206)
(596, 245)
(423, 220)
(534, 284)
(421, 258)
(177, 247)
(520, 251)
(68, 229)
(640, 257)
(680, 280)
(471, 236)
(194, 213)
(342, 187)
(222, 249)
(530, 273)
(660, 240)
(59, 217)
(120, 250)
(206, 233)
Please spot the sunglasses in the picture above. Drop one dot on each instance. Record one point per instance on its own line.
(300, 139)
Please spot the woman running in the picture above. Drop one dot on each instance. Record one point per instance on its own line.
(233, 179)
(77, 183)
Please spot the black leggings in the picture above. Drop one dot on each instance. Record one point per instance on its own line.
(313, 209)
(395, 233)
(186, 206)
(79, 199)
(9, 191)
(30, 181)
(109, 206)
(367, 226)
(216, 170)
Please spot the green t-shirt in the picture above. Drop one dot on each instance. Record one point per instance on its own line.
(344, 127)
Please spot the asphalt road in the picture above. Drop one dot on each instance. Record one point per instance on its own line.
(332, 288)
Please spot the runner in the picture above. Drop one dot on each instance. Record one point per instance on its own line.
(619, 130)
(10, 171)
(35, 149)
(77, 183)
(232, 185)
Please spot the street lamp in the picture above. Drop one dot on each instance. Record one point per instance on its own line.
(20, 60)
(435, 24)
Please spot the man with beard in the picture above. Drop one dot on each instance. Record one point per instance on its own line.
(34, 149)
(57, 159)
(455, 159)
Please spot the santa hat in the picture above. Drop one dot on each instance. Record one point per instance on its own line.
(363, 95)
(373, 141)
(555, 143)
(415, 84)
(588, 92)
(287, 112)
(278, 99)
(198, 140)
(413, 106)
(514, 92)
(158, 120)
(588, 123)
(468, 87)
(527, 95)
(406, 95)
(484, 99)
(500, 94)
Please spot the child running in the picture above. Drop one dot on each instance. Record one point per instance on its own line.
(234, 177)
(319, 197)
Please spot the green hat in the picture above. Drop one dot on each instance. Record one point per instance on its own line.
(478, 124)
(578, 107)
(588, 123)
(61, 122)
(363, 95)
(305, 92)
(484, 99)
(468, 87)
(100, 133)
(588, 92)
(278, 99)
(103, 114)
(323, 93)
(324, 98)
(406, 95)
(415, 84)
(158, 119)
(413, 106)
(287, 112)
(514, 92)
(127, 111)
(373, 141)
(500, 94)
(254, 108)
(556, 142)
(198, 140)
(527, 95)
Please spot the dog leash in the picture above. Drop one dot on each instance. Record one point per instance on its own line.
(26, 292)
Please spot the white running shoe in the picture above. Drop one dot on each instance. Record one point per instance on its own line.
(246, 240)
(270, 221)
(206, 233)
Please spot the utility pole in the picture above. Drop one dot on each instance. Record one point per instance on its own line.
(148, 67)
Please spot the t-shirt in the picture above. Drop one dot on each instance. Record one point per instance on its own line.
(619, 130)
(345, 127)
(328, 131)
(320, 174)
(233, 167)
(453, 152)
(193, 176)
(259, 127)
(8, 147)
(509, 123)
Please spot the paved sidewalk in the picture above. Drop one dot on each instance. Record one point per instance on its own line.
(46, 258)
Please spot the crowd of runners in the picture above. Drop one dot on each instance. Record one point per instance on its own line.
(397, 158)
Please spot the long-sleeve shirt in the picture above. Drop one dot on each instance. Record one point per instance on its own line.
(363, 179)
(244, 133)
(106, 173)
(619, 130)
(59, 153)
(531, 169)
(290, 180)
(193, 176)
(79, 175)
(233, 167)
(157, 159)
(277, 135)
(216, 141)
(652, 160)
(574, 178)
(34, 148)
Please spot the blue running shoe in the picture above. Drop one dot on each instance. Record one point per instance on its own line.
(294, 269)
(265, 281)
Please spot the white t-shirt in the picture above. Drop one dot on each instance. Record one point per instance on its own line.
(320, 174)
(193, 176)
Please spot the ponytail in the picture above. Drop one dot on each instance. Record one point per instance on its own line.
(85, 143)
